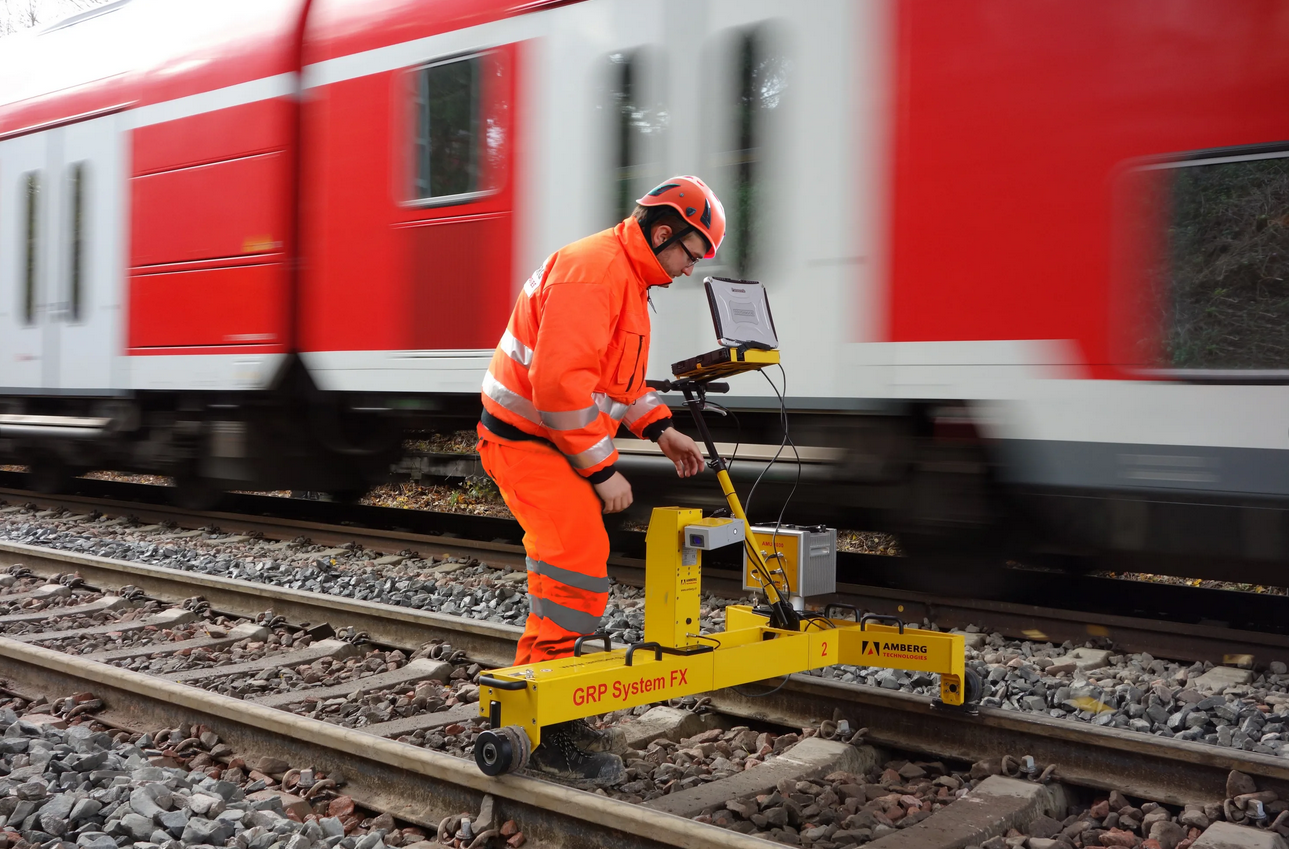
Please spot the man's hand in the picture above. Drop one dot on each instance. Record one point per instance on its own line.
(682, 451)
(615, 493)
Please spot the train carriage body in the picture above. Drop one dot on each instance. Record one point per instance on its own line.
(1025, 261)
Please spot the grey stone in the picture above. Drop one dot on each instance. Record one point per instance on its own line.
(137, 826)
(369, 841)
(1238, 784)
(31, 791)
(1168, 834)
(98, 841)
(227, 790)
(85, 809)
(173, 822)
(55, 813)
(201, 830)
(1193, 818)
(144, 803)
(203, 804)
(1220, 677)
(1085, 658)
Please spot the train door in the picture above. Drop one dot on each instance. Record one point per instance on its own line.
(26, 201)
(85, 295)
(456, 220)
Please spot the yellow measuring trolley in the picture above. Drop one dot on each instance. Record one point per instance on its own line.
(674, 660)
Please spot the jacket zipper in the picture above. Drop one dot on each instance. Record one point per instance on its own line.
(636, 364)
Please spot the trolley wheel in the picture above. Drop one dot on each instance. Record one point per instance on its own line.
(501, 751)
(972, 686)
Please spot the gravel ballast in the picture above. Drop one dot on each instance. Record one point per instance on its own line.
(75, 786)
(1243, 709)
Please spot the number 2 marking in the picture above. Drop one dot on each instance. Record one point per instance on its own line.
(825, 651)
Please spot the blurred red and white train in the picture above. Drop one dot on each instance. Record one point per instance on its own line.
(1023, 257)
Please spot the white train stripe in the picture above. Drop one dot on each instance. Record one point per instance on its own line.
(266, 88)
(410, 53)
(205, 372)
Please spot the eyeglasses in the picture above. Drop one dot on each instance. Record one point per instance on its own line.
(692, 258)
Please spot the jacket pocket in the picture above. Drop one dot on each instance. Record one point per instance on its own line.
(631, 365)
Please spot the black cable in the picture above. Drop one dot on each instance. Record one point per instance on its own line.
(738, 433)
(787, 440)
(778, 523)
(761, 695)
(749, 543)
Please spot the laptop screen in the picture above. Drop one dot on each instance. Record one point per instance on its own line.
(741, 312)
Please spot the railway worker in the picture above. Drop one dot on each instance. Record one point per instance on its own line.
(571, 367)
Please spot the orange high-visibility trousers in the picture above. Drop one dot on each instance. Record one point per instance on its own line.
(564, 538)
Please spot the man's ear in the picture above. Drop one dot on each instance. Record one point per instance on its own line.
(661, 233)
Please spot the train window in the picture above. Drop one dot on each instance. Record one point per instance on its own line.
(32, 221)
(447, 142)
(637, 123)
(760, 83)
(1222, 281)
(76, 270)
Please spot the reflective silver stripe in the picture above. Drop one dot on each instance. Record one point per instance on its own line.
(567, 577)
(569, 419)
(597, 453)
(642, 407)
(510, 399)
(565, 617)
(615, 409)
(516, 350)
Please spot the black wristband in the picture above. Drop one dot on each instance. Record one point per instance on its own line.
(603, 474)
(654, 431)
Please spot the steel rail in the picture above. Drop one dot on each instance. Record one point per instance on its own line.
(1162, 769)
(498, 553)
(402, 627)
(1162, 638)
(412, 783)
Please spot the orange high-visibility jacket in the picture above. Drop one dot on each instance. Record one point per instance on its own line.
(571, 364)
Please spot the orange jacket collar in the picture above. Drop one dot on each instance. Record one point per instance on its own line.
(643, 261)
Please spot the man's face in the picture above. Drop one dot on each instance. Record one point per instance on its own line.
(679, 259)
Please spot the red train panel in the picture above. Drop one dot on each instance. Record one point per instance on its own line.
(456, 265)
(242, 305)
(379, 261)
(262, 127)
(226, 209)
(1013, 127)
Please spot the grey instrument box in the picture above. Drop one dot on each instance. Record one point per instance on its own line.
(807, 555)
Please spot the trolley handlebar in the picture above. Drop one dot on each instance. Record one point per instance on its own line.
(716, 386)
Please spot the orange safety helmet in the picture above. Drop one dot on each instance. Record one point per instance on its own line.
(696, 203)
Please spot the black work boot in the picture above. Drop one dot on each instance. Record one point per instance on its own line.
(560, 758)
(588, 738)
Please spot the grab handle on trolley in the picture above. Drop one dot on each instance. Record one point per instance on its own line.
(718, 387)
(878, 617)
(498, 684)
(598, 635)
(654, 647)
